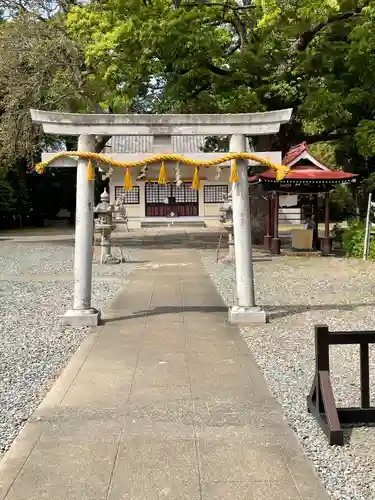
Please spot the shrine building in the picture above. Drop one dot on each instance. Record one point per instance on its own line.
(149, 202)
(308, 179)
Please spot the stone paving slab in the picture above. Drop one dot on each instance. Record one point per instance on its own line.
(163, 401)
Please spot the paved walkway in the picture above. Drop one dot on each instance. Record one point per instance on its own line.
(162, 402)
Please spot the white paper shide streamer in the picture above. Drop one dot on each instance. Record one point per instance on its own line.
(218, 173)
(178, 175)
(142, 173)
(108, 174)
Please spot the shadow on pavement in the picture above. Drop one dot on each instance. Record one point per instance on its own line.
(281, 311)
(273, 312)
(157, 311)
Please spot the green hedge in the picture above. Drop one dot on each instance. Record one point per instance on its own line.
(352, 240)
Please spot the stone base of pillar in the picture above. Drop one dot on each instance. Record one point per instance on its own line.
(78, 317)
(326, 245)
(276, 246)
(247, 315)
(267, 241)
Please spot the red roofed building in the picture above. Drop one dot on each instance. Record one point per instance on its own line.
(307, 176)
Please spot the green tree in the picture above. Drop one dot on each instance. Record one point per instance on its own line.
(316, 56)
(232, 56)
(196, 56)
(40, 67)
(6, 195)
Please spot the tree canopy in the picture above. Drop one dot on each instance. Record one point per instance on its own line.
(230, 56)
(316, 56)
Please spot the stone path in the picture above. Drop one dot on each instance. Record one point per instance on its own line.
(162, 402)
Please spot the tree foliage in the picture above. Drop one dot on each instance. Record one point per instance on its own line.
(6, 194)
(39, 67)
(232, 56)
(209, 56)
(316, 56)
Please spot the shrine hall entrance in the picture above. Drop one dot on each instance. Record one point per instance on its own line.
(164, 199)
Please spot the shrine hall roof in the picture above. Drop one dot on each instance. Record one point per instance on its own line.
(307, 175)
(295, 152)
(305, 169)
(144, 144)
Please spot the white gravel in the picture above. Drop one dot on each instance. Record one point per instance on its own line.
(19, 259)
(36, 285)
(298, 293)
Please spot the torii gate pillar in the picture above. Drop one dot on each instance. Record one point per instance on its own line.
(82, 314)
(245, 310)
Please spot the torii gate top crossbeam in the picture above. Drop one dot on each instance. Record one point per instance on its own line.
(142, 124)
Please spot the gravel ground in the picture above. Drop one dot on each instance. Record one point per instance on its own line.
(19, 259)
(298, 293)
(35, 288)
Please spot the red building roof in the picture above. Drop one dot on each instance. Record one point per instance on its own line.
(307, 174)
(295, 152)
(311, 171)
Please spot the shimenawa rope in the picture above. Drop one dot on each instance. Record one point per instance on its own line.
(281, 170)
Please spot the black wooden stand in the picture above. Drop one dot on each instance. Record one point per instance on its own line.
(321, 401)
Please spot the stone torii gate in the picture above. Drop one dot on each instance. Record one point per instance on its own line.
(88, 126)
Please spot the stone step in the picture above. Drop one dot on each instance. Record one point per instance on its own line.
(173, 222)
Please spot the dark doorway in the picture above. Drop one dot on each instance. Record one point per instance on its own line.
(163, 199)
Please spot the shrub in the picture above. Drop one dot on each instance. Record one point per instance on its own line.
(337, 234)
(341, 203)
(353, 241)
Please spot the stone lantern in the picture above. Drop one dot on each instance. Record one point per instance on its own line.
(226, 219)
(105, 226)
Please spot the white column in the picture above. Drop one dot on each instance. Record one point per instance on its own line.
(82, 313)
(245, 310)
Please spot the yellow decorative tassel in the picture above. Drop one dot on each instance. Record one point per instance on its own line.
(90, 171)
(234, 173)
(128, 180)
(282, 172)
(162, 174)
(196, 181)
(40, 168)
